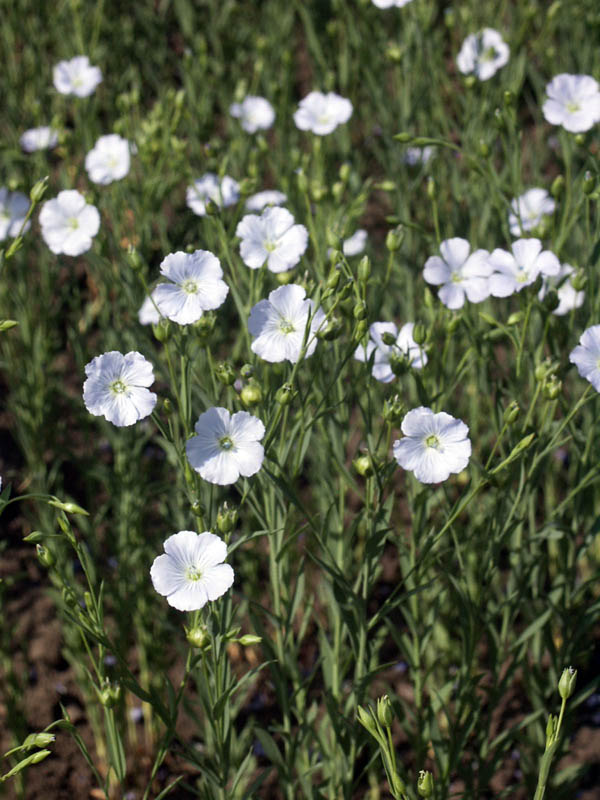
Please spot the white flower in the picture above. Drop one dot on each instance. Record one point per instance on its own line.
(586, 356)
(76, 76)
(513, 271)
(255, 113)
(13, 210)
(148, 315)
(568, 297)
(68, 223)
(109, 160)
(528, 210)
(226, 446)
(322, 113)
(482, 54)
(196, 286)
(223, 193)
(573, 102)
(116, 387)
(272, 238)
(355, 244)
(414, 156)
(459, 273)
(391, 3)
(278, 325)
(434, 445)
(404, 348)
(191, 572)
(270, 197)
(42, 138)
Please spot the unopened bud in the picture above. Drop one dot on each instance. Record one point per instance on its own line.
(509, 99)
(388, 338)
(198, 637)
(394, 53)
(579, 280)
(284, 278)
(331, 330)
(425, 784)
(162, 330)
(251, 395)
(404, 137)
(38, 740)
(197, 508)
(337, 190)
(247, 371)
(431, 188)
(360, 329)
(333, 239)
(393, 241)
(69, 597)
(566, 684)
(514, 318)
(589, 182)
(226, 518)
(110, 695)
(345, 171)
(551, 730)
(211, 208)
(317, 190)
(204, 327)
(7, 324)
(38, 190)
(553, 10)
(249, 639)
(45, 556)
(419, 333)
(470, 81)
(360, 310)
(511, 413)
(543, 369)
(385, 713)
(68, 508)
(247, 186)
(558, 186)
(225, 373)
(133, 257)
(484, 149)
(579, 139)
(364, 269)
(393, 410)
(399, 363)
(285, 394)
(34, 537)
(386, 186)
(363, 465)
(552, 387)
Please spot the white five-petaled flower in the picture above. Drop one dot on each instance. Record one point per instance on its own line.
(568, 297)
(434, 445)
(322, 113)
(197, 286)
(42, 138)
(223, 192)
(391, 3)
(270, 197)
(514, 271)
(69, 223)
(191, 571)
(528, 210)
(459, 272)
(573, 101)
(226, 446)
(13, 210)
(109, 159)
(116, 387)
(76, 76)
(272, 238)
(482, 54)
(586, 356)
(278, 325)
(254, 113)
(404, 347)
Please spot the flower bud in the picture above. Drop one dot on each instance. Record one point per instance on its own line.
(302, 181)
(363, 465)
(249, 639)
(551, 730)
(419, 333)
(470, 81)
(566, 684)
(385, 714)
(344, 172)
(431, 188)
(285, 394)
(69, 597)
(543, 369)
(360, 310)
(38, 740)
(211, 208)
(331, 330)
(393, 410)
(198, 636)
(334, 277)
(333, 239)
(558, 186)
(34, 537)
(251, 395)
(360, 329)
(284, 278)
(509, 99)
(399, 363)
(386, 186)
(388, 338)
(225, 373)
(317, 190)
(514, 318)
(197, 508)
(38, 190)
(7, 324)
(579, 139)
(511, 413)
(394, 53)
(226, 518)
(552, 387)
(247, 371)
(404, 137)
(68, 508)
(45, 556)
(364, 269)
(345, 289)
(579, 280)
(425, 784)
(133, 257)
(551, 300)
(110, 695)
(337, 190)
(393, 241)
(484, 149)
(589, 182)
(162, 330)
(367, 721)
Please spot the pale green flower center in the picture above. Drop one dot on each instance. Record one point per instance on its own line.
(73, 223)
(522, 274)
(323, 119)
(456, 277)
(285, 326)
(432, 441)
(573, 107)
(270, 246)
(226, 443)
(193, 574)
(488, 55)
(190, 287)
(118, 387)
(77, 81)
(113, 162)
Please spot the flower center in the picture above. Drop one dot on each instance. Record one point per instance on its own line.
(193, 574)
(190, 287)
(522, 274)
(488, 55)
(226, 443)
(113, 162)
(118, 387)
(456, 277)
(433, 441)
(270, 246)
(73, 223)
(285, 326)
(323, 119)
(573, 107)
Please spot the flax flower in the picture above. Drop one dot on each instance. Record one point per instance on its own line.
(322, 113)
(195, 286)
(273, 238)
(459, 272)
(76, 76)
(109, 159)
(573, 101)
(403, 348)
(116, 387)
(514, 271)
(223, 192)
(483, 54)
(69, 223)
(254, 113)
